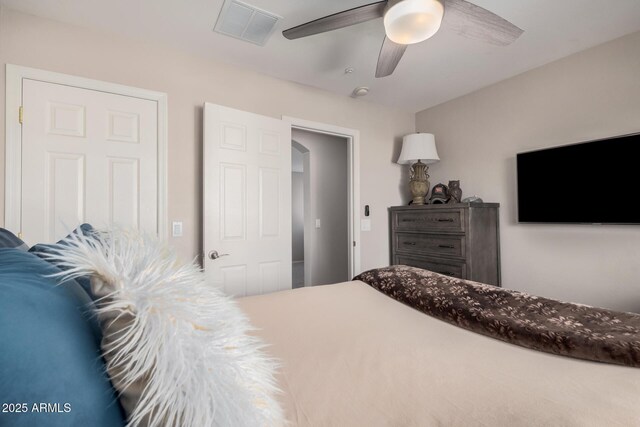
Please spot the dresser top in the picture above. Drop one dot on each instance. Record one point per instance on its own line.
(446, 206)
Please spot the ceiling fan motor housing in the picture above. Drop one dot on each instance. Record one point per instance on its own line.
(412, 21)
(391, 3)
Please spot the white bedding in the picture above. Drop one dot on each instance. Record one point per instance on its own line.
(352, 356)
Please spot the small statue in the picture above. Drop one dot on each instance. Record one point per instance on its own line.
(455, 192)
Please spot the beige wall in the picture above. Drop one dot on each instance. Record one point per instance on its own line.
(297, 216)
(189, 81)
(592, 94)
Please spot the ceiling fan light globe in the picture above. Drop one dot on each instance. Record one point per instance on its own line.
(413, 21)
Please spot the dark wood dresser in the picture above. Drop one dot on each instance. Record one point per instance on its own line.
(460, 240)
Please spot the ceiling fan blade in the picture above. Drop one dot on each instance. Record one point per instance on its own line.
(475, 22)
(337, 20)
(390, 55)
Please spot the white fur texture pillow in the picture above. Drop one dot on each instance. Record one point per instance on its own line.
(176, 348)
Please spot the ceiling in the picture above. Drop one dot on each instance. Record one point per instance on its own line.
(437, 70)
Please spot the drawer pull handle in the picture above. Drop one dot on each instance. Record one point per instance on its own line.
(410, 243)
(446, 246)
(447, 273)
(426, 219)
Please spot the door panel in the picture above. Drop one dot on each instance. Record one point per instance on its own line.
(123, 127)
(66, 119)
(234, 279)
(65, 196)
(269, 188)
(270, 277)
(124, 192)
(247, 201)
(88, 156)
(233, 212)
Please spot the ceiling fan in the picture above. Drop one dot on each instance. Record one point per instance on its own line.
(412, 21)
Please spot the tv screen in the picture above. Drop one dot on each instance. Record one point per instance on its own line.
(590, 182)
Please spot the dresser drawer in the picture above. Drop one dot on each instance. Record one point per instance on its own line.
(429, 220)
(430, 244)
(450, 268)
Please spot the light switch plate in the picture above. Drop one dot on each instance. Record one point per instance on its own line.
(176, 229)
(365, 225)
(317, 223)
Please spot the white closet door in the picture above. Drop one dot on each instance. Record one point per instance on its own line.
(88, 156)
(247, 201)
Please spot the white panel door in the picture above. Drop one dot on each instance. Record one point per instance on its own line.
(88, 156)
(247, 201)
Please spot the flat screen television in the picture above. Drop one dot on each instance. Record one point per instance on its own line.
(589, 183)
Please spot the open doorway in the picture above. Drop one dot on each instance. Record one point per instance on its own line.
(352, 242)
(320, 208)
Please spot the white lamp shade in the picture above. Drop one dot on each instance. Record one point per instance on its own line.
(413, 21)
(418, 146)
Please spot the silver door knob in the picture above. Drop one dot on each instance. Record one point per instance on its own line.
(216, 255)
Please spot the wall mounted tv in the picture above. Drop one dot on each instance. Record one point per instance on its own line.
(590, 182)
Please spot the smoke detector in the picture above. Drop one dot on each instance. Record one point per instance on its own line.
(245, 22)
(360, 91)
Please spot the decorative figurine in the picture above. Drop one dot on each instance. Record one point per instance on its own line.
(455, 192)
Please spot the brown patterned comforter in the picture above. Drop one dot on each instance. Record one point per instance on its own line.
(537, 323)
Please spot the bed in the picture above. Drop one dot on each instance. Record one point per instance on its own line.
(352, 356)
(379, 351)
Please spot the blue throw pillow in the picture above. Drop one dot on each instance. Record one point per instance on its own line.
(51, 369)
(42, 249)
(10, 240)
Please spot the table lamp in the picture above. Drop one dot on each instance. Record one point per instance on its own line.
(419, 150)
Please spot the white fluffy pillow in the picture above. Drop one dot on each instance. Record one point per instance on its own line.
(176, 348)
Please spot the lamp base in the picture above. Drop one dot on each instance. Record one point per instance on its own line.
(419, 190)
(419, 184)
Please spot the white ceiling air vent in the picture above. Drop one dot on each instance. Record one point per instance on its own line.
(246, 22)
